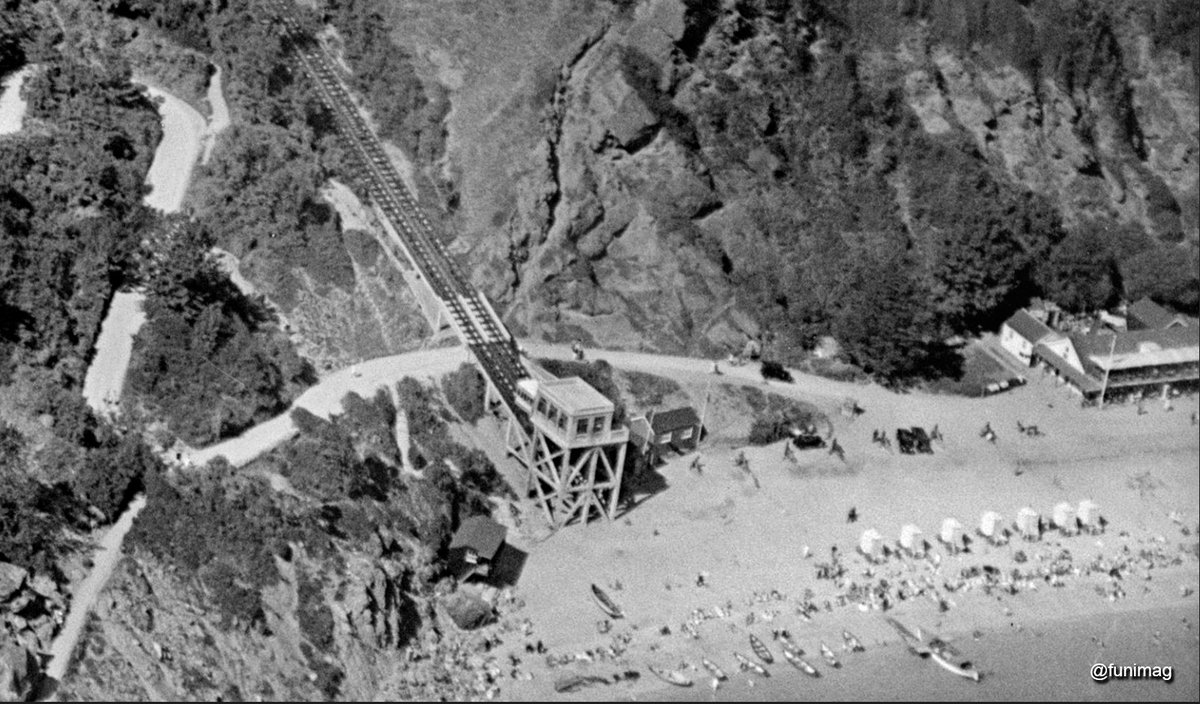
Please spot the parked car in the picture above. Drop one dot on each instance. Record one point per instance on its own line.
(775, 370)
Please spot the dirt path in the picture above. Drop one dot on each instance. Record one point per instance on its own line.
(12, 104)
(105, 377)
(326, 397)
(168, 178)
(176, 155)
(85, 593)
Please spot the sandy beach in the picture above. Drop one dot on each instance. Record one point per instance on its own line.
(1029, 633)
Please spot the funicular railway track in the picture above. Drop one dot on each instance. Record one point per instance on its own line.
(491, 344)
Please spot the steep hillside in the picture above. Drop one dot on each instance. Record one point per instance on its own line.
(700, 170)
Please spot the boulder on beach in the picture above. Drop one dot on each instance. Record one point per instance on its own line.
(468, 611)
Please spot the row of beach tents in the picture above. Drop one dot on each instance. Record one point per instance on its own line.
(1065, 517)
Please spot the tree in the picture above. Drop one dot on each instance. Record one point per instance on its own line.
(1080, 273)
(883, 324)
(464, 389)
(1165, 273)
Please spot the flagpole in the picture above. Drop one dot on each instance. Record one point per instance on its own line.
(704, 410)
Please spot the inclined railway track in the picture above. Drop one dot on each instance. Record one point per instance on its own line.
(488, 340)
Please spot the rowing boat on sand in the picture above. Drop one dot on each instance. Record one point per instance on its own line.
(606, 604)
(748, 664)
(674, 677)
(800, 663)
(760, 649)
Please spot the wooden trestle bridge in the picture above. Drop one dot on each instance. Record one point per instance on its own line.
(560, 429)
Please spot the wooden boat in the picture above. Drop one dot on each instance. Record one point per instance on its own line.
(717, 672)
(760, 649)
(800, 663)
(853, 643)
(748, 664)
(606, 605)
(830, 657)
(574, 683)
(674, 677)
(964, 670)
(789, 644)
(914, 642)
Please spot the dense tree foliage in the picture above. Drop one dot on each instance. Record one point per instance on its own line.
(834, 173)
(407, 111)
(71, 216)
(464, 389)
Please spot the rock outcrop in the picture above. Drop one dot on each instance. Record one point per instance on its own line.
(31, 609)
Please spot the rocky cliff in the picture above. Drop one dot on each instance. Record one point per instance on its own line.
(597, 202)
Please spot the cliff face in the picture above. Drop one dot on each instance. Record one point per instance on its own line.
(597, 203)
(1135, 163)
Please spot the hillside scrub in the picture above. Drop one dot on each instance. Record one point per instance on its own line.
(775, 416)
(209, 359)
(464, 389)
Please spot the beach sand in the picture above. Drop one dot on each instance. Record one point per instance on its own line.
(749, 542)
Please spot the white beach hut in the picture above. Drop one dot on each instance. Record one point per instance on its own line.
(1089, 515)
(1064, 517)
(912, 539)
(871, 544)
(952, 533)
(1027, 524)
(991, 526)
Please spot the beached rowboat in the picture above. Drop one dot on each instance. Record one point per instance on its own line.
(829, 656)
(760, 649)
(964, 670)
(717, 672)
(674, 677)
(748, 664)
(607, 605)
(853, 643)
(800, 663)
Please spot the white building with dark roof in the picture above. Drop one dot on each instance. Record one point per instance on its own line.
(1160, 350)
(1022, 333)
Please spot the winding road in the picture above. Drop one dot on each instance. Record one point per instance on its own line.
(170, 172)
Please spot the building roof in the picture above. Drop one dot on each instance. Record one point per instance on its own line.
(1140, 348)
(481, 534)
(575, 396)
(1082, 381)
(1153, 316)
(674, 419)
(1028, 326)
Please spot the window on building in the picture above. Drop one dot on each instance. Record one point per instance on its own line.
(664, 438)
(541, 407)
(581, 426)
(562, 420)
(686, 434)
(597, 425)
